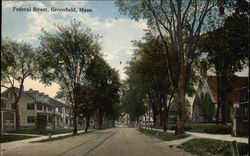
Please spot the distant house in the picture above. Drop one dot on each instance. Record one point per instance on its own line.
(7, 114)
(198, 110)
(210, 87)
(173, 111)
(35, 109)
(172, 118)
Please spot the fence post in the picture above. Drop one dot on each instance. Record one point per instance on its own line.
(234, 148)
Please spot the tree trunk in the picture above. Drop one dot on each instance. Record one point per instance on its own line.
(223, 112)
(75, 120)
(87, 123)
(218, 111)
(164, 114)
(161, 116)
(180, 109)
(17, 99)
(17, 116)
(100, 119)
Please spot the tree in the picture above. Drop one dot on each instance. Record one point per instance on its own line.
(64, 57)
(227, 49)
(87, 105)
(182, 21)
(148, 78)
(105, 80)
(18, 62)
(206, 104)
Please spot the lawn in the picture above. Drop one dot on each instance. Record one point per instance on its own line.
(193, 127)
(199, 127)
(207, 147)
(167, 136)
(42, 131)
(7, 138)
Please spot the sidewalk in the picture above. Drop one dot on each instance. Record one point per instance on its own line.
(20, 143)
(225, 137)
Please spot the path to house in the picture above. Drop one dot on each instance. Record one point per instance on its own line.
(108, 142)
(225, 137)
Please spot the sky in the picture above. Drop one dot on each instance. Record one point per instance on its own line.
(117, 31)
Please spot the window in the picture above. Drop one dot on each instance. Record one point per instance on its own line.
(31, 119)
(12, 106)
(60, 109)
(3, 105)
(30, 106)
(9, 95)
(50, 119)
(50, 108)
(39, 107)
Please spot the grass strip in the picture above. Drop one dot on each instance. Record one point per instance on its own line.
(167, 136)
(8, 138)
(42, 131)
(208, 147)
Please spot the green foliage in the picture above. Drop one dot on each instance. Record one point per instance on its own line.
(18, 61)
(205, 103)
(42, 131)
(227, 49)
(107, 97)
(199, 127)
(193, 127)
(167, 136)
(64, 57)
(219, 129)
(186, 128)
(148, 81)
(209, 147)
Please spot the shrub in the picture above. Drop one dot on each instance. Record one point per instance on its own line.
(167, 136)
(219, 129)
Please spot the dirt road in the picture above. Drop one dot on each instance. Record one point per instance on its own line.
(109, 142)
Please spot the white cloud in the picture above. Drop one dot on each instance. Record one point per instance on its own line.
(117, 33)
(109, 57)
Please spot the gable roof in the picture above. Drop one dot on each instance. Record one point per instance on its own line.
(233, 95)
(50, 102)
(4, 93)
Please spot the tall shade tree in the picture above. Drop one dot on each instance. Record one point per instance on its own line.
(18, 62)
(228, 50)
(182, 21)
(106, 82)
(63, 58)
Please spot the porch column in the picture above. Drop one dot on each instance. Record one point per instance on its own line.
(2, 121)
(15, 120)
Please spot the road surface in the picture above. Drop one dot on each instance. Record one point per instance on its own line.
(109, 142)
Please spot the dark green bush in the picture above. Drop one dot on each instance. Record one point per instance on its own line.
(219, 129)
(167, 136)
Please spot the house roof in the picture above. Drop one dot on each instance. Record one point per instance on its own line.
(56, 103)
(233, 95)
(4, 93)
(50, 102)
